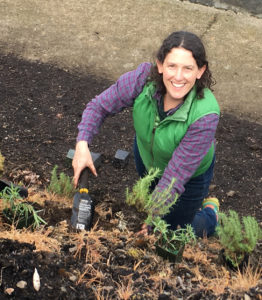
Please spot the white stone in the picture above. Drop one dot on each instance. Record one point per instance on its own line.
(21, 284)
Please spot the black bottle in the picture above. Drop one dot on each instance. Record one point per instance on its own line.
(83, 205)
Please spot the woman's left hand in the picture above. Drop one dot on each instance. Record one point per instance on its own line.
(143, 231)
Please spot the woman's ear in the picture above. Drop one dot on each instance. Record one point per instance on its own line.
(201, 71)
(159, 66)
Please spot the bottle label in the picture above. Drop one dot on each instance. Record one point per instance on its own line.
(80, 226)
(84, 212)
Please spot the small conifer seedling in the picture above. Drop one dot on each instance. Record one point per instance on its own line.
(62, 184)
(238, 238)
(156, 206)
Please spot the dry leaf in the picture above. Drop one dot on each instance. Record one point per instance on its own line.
(231, 193)
(9, 291)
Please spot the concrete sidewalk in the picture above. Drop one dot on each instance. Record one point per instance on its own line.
(109, 37)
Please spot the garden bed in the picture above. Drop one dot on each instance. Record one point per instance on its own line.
(40, 108)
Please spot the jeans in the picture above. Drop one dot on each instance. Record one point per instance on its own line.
(187, 209)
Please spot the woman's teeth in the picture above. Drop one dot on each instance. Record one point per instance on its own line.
(178, 85)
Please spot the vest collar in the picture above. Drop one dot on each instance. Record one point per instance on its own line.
(182, 113)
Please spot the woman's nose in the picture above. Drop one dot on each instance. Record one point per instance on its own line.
(178, 75)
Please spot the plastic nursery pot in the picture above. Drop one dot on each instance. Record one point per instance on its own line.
(171, 254)
(229, 264)
(19, 221)
(23, 192)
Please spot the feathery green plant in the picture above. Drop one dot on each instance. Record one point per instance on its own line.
(9, 195)
(238, 238)
(170, 237)
(151, 204)
(61, 185)
(139, 196)
(17, 212)
(155, 206)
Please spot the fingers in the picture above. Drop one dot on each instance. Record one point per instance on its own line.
(93, 169)
(78, 173)
(76, 177)
(81, 160)
(77, 170)
(143, 231)
(144, 227)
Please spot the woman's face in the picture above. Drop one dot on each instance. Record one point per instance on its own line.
(180, 72)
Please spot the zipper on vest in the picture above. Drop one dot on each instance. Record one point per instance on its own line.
(156, 123)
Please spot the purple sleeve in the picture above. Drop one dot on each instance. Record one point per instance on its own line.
(189, 154)
(118, 96)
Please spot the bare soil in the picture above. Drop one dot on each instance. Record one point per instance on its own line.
(41, 106)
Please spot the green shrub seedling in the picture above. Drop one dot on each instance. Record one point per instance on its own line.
(61, 185)
(144, 201)
(155, 206)
(18, 212)
(238, 238)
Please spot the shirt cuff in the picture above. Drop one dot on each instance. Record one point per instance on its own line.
(84, 136)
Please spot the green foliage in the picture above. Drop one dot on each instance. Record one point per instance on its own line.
(17, 211)
(2, 159)
(170, 238)
(61, 185)
(156, 206)
(144, 201)
(139, 197)
(161, 227)
(9, 195)
(238, 238)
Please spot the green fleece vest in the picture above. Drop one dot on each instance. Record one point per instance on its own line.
(157, 139)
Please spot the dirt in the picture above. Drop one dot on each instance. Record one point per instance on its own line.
(40, 108)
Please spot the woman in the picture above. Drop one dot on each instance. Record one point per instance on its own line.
(175, 118)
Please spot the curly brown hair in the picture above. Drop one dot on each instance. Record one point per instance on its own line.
(188, 41)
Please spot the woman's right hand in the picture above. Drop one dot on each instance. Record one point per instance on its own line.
(82, 159)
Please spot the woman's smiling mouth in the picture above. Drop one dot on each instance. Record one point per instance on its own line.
(178, 85)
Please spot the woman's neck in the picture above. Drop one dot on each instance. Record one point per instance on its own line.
(170, 103)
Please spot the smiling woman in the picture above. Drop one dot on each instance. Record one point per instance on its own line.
(196, 58)
(180, 72)
(175, 117)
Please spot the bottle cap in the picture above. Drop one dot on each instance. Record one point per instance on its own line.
(83, 190)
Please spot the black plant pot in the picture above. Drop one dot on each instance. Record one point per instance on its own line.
(19, 221)
(242, 265)
(171, 254)
(23, 192)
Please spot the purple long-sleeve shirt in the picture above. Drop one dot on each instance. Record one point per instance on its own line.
(186, 157)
